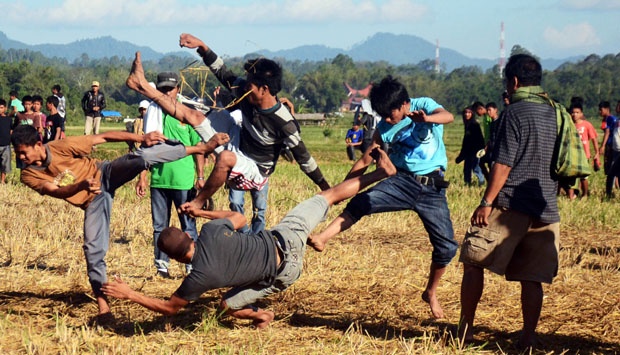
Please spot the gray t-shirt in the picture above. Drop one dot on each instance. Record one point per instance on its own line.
(225, 258)
(525, 141)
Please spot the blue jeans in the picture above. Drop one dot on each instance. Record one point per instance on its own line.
(161, 208)
(402, 192)
(472, 164)
(259, 207)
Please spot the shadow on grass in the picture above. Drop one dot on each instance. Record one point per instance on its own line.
(488, 339)
(73, 298)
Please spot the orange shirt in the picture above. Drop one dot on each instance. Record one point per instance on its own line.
(67, 163)
(586, 133)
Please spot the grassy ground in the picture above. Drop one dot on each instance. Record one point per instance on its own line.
(362, 295)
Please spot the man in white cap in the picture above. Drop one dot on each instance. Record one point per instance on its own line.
(171, 182)
(93, 102)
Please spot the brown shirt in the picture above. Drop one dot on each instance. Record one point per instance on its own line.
(67, 163)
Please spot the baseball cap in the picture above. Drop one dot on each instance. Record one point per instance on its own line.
(95, 83)
(144, 104)
(167, 80)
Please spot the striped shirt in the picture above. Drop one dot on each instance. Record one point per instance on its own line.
(525, 140)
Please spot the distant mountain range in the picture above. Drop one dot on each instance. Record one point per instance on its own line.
(394, 49)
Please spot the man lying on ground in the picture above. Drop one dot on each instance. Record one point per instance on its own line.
(254, 265)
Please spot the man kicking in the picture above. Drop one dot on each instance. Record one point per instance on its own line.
(64, 169)
(254, 265)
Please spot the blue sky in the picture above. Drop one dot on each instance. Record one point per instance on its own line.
(548, 28)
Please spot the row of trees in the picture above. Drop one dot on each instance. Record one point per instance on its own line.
(313, 86)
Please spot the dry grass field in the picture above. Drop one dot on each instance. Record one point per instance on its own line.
(362, 295)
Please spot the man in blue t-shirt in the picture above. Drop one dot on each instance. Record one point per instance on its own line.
(255, 265)
(610, 122)
(413, 128)
(354, 140)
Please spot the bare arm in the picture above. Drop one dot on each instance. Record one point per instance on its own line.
(147, 140)
(605, 137)
(190, 41)
(439, 116)
(360, 166)
(499, 175)
(237, 219)
(199, 163)
(119, 289)
(63, 192)
(141, 184)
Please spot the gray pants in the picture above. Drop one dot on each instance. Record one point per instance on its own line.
(97, 215)
(293, 231)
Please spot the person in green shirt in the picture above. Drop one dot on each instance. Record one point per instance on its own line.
(171, 182)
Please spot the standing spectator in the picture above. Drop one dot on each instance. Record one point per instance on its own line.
(26, 116)
(137, 126)
(587, 133)
(171, 182)
(93, 102)
(53, 122)
(15, 105)
(493, 112)
(5, 142)
(39, 119)
(472, 144)
(515, 231)
(23, 118)
(62, 107)
(413, 127)
(368, 119)
(353, 140)
(606, 149)
(485, 122)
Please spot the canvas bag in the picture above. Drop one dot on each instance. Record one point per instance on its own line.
(569, 160)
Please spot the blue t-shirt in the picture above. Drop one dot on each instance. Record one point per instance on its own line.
(355, 136)
(416, 147)
(611, 122)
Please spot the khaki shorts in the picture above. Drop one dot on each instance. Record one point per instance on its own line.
(515, 245)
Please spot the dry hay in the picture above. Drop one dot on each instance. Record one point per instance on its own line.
(362, 295)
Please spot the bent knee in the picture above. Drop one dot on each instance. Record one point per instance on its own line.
(226, 159)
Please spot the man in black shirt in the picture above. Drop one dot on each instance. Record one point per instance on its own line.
(55, 131)
(254, 265)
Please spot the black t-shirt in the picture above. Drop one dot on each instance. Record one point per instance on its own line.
(225, 258)
(56, 120)
(5, 130)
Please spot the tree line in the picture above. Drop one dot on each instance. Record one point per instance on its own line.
(313, 86)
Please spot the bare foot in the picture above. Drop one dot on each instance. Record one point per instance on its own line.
(136, 80)
(264, 319)
(315, 243)
(432, 300)
(383, 162)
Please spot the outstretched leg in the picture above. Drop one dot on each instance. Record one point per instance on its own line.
(137, 82)
(348, 189)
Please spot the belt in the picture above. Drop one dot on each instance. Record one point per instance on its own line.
(434, 178)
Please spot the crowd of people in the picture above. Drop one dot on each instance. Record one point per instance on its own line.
(514, 231)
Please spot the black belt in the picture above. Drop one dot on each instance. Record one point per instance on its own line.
(434, 178)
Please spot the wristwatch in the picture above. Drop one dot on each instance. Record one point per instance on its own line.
(485, 203)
